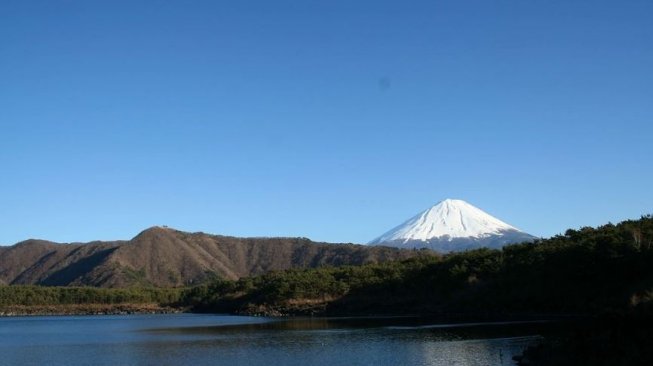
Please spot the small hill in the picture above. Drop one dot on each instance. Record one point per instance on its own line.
(162, 256)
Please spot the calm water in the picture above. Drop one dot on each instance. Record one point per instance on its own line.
(187, 339)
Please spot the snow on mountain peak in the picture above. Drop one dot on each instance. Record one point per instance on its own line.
(448, 219)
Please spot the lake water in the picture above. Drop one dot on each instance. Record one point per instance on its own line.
(191, 339)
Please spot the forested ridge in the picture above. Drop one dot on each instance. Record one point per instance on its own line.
(585, 271)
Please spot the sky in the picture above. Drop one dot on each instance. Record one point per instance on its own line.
(332, 120)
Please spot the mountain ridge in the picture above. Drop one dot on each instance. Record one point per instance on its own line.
(166, 257)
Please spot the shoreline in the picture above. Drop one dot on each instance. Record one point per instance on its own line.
(87, 309)
(153, 308)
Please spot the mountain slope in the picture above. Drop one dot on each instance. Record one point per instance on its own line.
(452, 225)
(166, 257)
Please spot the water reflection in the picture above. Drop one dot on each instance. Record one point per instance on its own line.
(225, 340)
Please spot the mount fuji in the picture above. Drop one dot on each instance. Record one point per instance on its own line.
(451, 226)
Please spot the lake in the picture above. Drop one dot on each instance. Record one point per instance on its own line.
(194, 339)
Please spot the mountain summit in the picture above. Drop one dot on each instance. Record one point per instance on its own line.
(452, 225)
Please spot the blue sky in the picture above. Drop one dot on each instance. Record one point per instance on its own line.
(329, 120)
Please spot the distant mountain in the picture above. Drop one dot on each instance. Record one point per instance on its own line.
(452, 225)
(162, 256)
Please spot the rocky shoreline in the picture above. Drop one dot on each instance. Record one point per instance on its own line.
(87, 309)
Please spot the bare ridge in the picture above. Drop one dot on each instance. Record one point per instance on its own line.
(161, 256)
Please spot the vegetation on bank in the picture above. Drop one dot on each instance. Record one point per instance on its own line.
(586, 271)
(41, 295)
(87, 309)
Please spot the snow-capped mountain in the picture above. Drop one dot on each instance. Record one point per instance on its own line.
(452, 225)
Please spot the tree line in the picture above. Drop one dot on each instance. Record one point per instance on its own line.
(42, 295)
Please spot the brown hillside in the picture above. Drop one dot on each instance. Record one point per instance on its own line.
(166, 257)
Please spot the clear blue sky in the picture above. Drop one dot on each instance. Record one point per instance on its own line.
(325, 119)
